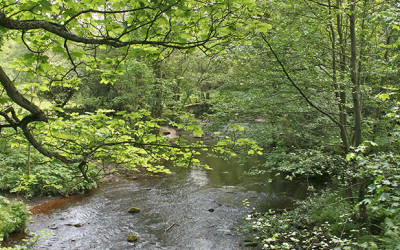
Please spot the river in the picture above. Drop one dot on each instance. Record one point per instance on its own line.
(188, 209)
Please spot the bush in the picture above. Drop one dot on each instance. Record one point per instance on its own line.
(13, 217)
(47, 177)
(382, 172)
(324, 221)
(304, 164)
(331, 219)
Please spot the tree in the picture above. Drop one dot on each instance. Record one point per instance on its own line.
(344, 35)
(74, 32)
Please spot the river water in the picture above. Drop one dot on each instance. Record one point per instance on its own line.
(188, 209)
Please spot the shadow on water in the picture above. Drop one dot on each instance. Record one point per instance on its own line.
(189, 209)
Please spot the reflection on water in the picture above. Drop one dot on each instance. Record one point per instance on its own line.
(189, 209)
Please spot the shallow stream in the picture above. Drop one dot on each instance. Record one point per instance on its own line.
(189, 209)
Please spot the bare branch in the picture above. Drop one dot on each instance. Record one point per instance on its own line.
(69, 55)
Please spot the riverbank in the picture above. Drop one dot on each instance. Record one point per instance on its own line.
(43, 205)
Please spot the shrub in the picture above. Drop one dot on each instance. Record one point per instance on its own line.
(13, 217)
(53, 178)
(304, 163)
(323, 221)
(47, 177)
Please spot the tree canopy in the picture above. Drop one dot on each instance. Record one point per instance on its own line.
(67, 40)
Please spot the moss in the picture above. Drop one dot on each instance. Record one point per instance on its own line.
(132, 238)
(134, 210)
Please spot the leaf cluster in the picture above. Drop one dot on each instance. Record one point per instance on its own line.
(311, 163)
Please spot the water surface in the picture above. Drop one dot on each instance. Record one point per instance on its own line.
(189, 209)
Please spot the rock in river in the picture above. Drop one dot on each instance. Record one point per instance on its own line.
(134, 210)
(132, 238)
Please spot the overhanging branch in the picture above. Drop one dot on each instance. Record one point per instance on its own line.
(61, 31)
(19, 99)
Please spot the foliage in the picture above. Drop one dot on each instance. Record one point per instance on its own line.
(47, 177)
(293, 84)
(30, 242)
(132, 90)
(101, 45)
(323, 221)
(13, 217)
(307, 54)
(381, 172)
(330, 219)
(312, 163)
(131, 140)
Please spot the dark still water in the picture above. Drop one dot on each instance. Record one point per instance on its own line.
(189, 209)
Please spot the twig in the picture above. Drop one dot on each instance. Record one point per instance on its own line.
(172, 225)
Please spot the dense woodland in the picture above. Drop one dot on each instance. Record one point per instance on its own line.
(310, 85)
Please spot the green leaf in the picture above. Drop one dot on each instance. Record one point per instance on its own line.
(263, 27)
(383, 96)
(198, 132)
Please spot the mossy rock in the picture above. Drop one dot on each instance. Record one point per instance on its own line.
(134, 210)
(132, 238)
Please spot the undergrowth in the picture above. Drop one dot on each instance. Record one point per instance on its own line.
(13, 217)
(324, 221)
(46, 177)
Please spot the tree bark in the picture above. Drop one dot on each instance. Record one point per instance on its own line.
(354, 77)
(340, 94)
(357, 107)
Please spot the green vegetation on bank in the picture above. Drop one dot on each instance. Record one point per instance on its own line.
(13, 217)
(45, 176)
(329, 219)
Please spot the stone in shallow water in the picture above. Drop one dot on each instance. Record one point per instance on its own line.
(134, 210)
(132, 238)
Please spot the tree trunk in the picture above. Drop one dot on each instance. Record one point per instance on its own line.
(357, 107)
(340, 94)
(354, 78)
